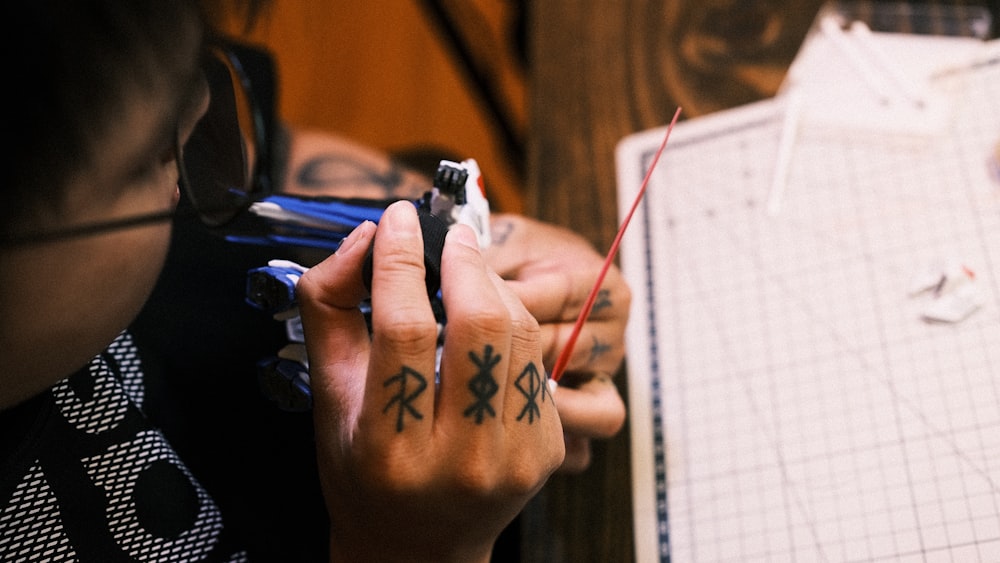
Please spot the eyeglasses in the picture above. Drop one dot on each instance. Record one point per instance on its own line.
(227, 162)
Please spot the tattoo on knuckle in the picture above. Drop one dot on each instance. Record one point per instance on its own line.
(409, 384)
(533, 386)
(483, 385)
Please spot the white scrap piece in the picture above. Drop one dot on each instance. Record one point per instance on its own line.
(955, 305)
(954, 292)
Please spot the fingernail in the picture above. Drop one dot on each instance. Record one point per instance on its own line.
(360, 232)
(465, 235)
(402, 217)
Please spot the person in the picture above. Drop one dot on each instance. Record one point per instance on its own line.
(90, 470)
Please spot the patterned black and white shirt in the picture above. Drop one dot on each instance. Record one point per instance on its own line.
(86, 477)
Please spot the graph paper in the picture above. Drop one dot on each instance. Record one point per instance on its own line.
(789, 398)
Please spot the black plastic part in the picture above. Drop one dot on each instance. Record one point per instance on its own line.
(451, 180)
(434, 230)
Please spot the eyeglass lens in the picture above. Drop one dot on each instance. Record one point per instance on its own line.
(220, 157)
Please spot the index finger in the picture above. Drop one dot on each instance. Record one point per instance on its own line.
(399, 392)
(403, 323)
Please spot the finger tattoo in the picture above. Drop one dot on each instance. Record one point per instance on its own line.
(603, 301)
(483, 385)
(532, 385)
(500, 231)
(403, 399)
(597, 350)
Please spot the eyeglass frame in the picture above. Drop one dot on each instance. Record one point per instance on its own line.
(254, 69)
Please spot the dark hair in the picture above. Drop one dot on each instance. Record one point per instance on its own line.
(71, 64)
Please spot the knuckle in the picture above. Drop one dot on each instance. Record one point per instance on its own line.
(529, 472)
(528, 342)
(399, 257)
(525, 478)
(523, 321)
(402, 328)
(389, 470)
(486, 322)
(477, 478)
(613, 422)
(306, 282)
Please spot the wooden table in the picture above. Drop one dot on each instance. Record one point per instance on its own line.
(599, 71)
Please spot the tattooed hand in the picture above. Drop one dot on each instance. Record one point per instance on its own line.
(414, 470)
(552, 270)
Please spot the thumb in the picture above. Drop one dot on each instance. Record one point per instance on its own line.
(337, 339)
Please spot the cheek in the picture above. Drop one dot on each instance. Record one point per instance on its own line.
(68, 301)
(139, 264)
